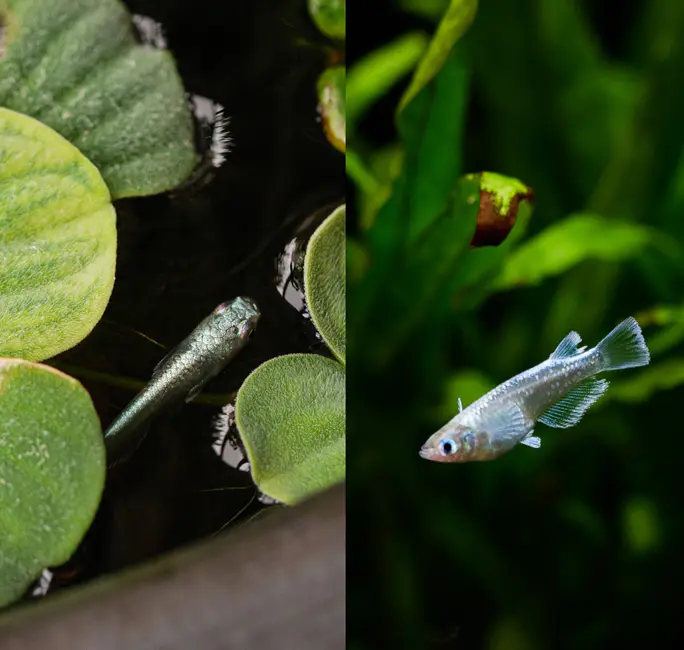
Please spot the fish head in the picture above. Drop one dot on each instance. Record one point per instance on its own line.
(453, 443)
(242, 314)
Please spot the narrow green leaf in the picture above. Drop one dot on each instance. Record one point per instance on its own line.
(454, 24)
(76, 66)
(325, 281)
(428, 9)
(52, 471)
(57, 241)
(371, 77)
(291, 416)
(568, 242)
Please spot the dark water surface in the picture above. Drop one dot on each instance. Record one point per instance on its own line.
(180, 255)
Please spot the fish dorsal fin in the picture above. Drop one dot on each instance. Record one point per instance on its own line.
(507, 422)
(460, 405)
(568, 347)
(568, 411)
(164, 359)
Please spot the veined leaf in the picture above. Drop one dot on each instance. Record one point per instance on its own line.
(76, 66)
(57, 241)
(52, 471)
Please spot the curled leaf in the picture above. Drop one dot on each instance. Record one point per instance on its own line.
(52, 471)
(325, 281)
(500, 198)
(331, 106)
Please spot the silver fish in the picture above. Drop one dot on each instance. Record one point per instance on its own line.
(186, 369)
(557, 392)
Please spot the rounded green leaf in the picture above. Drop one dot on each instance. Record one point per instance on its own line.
(325, 281)
(76, 66)
(57, 241)
(291, 417)
(52, 471)
(332, 107)
(329, 16)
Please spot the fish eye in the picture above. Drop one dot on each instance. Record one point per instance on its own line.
(447, 447)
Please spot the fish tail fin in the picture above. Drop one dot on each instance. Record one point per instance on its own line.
(624, 347)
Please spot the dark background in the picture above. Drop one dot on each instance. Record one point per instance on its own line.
(181, 254)
(576, 545)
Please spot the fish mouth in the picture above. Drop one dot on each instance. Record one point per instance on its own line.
(424, 452)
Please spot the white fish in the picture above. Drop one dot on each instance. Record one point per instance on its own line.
(557, 392)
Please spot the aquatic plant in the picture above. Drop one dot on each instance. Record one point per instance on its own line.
(290, 411)
(91, 112)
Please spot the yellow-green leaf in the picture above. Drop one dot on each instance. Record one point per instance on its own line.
(57, 241)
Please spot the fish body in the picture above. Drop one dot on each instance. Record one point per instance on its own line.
(187, 368)
(556, 392)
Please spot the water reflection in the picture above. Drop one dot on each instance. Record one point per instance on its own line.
(228, 446)
(150, 32)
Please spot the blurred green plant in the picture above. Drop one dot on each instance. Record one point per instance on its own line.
(434, 317)
(290, 411)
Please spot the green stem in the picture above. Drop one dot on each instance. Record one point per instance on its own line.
(137, 385)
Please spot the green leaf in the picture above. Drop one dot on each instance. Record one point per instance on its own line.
(291, 416)
(642, 385)
(454, 24)
(57, 241)
(329, 16)
(568, 242)
(371, 77)
(52, 471)
(76, 66)
(325, 281)
(427, 9)
(331, 105)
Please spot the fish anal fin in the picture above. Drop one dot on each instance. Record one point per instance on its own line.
(568, 347)
(531, 441)
(507, 422)
(568, 411)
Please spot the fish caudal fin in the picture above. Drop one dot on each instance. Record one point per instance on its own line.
(624, 347)
(568, 411)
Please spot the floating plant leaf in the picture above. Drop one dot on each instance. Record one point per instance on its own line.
(329, 16)
(291, 416)
(331, 105)
(76, 66)
(325, 281)
(57, 241)
(52, 471)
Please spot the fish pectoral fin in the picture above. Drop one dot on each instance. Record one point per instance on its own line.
(507, 422)
(568, 347)
(568, 411)
(531, 441)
